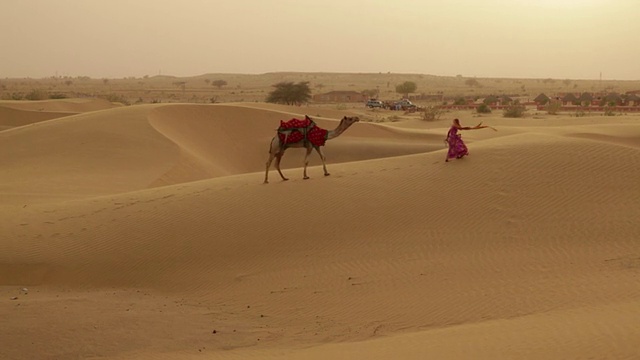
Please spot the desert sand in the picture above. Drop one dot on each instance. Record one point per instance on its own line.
(145, 232)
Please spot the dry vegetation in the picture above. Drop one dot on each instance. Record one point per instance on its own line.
(217, 88)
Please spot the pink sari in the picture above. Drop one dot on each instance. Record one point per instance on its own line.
(457, 148)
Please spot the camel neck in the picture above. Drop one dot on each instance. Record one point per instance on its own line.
(336, 132)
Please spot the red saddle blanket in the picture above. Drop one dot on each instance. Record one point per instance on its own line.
(296, 130)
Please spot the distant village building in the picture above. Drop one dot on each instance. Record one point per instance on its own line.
(505, 100)
(541, 99)
(613, 99)
(632, 100)
(586, 99)
(340, 97)
(628, 102)
(569, 99)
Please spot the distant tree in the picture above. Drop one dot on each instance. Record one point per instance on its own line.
(566, 82)
(207, 81)
(370, 93)
(68, 82)
(460, 101)
(406, 88)
(471, 82)
(219, 83)
(290, 93)
(105, 81)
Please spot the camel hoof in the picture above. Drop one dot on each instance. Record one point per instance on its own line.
(327, 174)
(265, 182)
(306, 178)
(285, 179)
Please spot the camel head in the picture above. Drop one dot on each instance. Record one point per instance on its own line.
(345, 123)
(348, 121)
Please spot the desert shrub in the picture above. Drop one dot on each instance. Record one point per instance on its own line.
(115, 98)
(514, 111)
(609, 111)
(580, 113)
(16, 96)
(483, 109)
(553, 108)
(57, 96)
(432, 113)
(37, 94)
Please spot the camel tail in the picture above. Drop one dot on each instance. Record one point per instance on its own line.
(271, 143)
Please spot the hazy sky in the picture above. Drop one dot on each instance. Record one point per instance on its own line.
(575, 39)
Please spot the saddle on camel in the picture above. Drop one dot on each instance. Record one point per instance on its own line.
(305, 130)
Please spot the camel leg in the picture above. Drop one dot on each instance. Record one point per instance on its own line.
(274, 151)
(266, 174)
(278, 158)
(306, 162)
(323, 158)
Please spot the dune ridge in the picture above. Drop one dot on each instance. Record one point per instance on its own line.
(526, 249)
(20, 113)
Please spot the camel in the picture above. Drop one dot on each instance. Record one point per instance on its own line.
(277, 148)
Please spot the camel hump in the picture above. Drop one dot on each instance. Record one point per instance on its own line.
(294, 123)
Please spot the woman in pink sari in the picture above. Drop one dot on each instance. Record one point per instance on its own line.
(457, 148)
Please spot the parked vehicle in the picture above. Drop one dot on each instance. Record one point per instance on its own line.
(405, 105)
(373, 103)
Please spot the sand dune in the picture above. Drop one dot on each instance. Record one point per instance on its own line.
(140, 231)
(20, 113)
(128, 149)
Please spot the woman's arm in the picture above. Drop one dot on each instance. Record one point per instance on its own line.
(479, 126)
